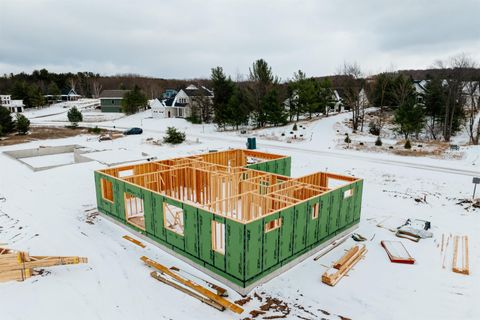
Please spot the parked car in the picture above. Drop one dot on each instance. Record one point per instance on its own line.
(133, 131)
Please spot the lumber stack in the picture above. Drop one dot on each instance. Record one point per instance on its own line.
(461, 266)
(19, 265)
(173, 278)
(341, 267)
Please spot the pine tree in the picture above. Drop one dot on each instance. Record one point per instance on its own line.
(434, 99)
(74, 116)
(223, 88)
(22, 124)
(6, 123)
(174, 136)
(261, 81)
(409, 117)
(274, 111)
(134, 100)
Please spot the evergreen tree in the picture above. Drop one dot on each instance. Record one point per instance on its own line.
(22, 124)
(434, 99)
(238, 111)
(6, 123)
(174, 136)
(274, 111)
(74, 116)
(326, 100)
(223, 88)
(134, 100)
(409, 117)
(54, 90)
(261, 81)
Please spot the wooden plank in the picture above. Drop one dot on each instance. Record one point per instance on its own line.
(397, 252)
(463, 268)
(346, 257)
(135, 241)
(207, 293)
(220, 291)
(332, 275)
(158, 276)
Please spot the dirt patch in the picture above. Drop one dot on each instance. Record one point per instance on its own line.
(44, 133)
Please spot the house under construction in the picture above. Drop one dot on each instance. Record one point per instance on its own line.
(236, 215)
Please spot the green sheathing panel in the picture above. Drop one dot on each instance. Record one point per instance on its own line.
(299, 227)
(325, 206)
(286, 234)
(270, 243)
(253, 248)
(173, 238)
(190, 229)
(159, 230)
(335, 203)
(358, 200)
(288, 166)
(205, 236)
(235, 248)
(218, 258)
(117, 208)
(312, 224)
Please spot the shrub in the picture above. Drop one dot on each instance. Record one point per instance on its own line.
(95, 130)
(378, 142)
(295, 127)
(347, 139)
(194, 119)
(74, 116)
(374, 128)
(6, 123)
(22, 124)
(408, 145)
(174, 136)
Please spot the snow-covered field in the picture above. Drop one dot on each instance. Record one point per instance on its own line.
(45, 212)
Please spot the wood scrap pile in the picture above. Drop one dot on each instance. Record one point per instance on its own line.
(177, 279)
(341, 267)
(19, 265)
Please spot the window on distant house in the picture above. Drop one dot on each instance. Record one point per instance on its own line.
(107, 190)
(272, 225)
(173, 218)
(218, 237)
(315, 210)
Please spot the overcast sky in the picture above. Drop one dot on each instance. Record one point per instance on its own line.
(186, 38)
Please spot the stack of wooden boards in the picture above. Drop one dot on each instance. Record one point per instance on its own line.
(341, 267)
(19, 265)
(397, 252)
(172, 277)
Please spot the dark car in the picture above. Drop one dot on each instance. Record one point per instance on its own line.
(133, 131)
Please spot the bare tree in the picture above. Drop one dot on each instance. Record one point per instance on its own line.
(352, 84)
(97, 88)
(472, 90)
(72, 82)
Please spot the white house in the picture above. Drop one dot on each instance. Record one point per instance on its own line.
(12, 105)
(158, 108)
(181, 105)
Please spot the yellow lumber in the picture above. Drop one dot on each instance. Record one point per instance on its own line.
(135, 241)
(464, 267)
(210, 302)
(332, 275)
(350, 253)
(207, 293)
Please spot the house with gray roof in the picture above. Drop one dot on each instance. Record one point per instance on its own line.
(111, 100)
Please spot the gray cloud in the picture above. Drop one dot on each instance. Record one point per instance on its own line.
(184, 39)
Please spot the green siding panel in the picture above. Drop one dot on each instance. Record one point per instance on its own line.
(148, 211)
(190, 229)
(253, 248)
(334, 211)
(358, 200)
(286, 233)
(235, 248)
(325, 205)
(299, 227)
(158, 228)
(205, 236)
(288, 167)
(312, 224)
(270, 243)
(218, 258)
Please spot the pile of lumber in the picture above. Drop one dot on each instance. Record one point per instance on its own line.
(175, 278)
(461, 266)
(397, 252)
(19, 265)
(341, 267)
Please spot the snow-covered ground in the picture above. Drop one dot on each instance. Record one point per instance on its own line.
(45, 213)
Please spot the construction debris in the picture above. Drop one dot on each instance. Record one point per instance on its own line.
(463, 268)
(193, 286)
(220, 291)
(343, 265)
(397, 252)
(469, 204)
(19, 265)
(159, 277)
(135, 241)
(358, 237)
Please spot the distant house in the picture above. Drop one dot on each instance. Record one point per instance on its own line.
(157, 107)
(70, 95)
(111, 100)
(339, 97)
(13, 106)
(186, 100)
(169, 93)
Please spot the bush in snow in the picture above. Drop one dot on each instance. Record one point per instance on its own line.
(22, 124)
(378, 142)
(74, 116)
(6, 122)
(347, 139)
(408, 145)
(374, 128)
(295, 127)
(174, 136)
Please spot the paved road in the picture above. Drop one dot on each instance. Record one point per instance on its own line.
(324, 153)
